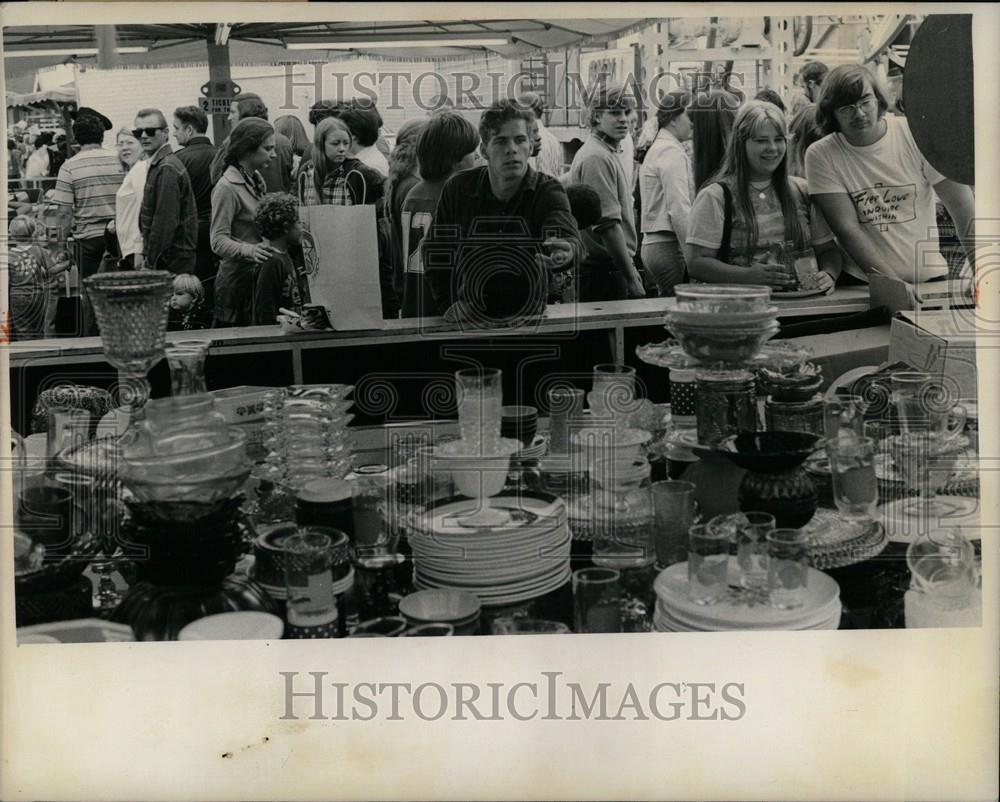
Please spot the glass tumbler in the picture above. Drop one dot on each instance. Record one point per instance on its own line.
(597, 597)
(674, 512)
(613, 390)
(480, 400)
(708, 564)
(788, 567)
(624, 520)
(852, 469)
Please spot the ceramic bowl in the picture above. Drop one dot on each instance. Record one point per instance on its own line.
(456, 607)
(238, 625)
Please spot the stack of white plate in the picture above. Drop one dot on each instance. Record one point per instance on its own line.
(749, 610)
(521, 559)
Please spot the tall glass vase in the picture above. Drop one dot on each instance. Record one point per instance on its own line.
(187, 366)
(131, 310)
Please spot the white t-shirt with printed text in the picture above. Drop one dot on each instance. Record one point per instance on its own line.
(891, 185)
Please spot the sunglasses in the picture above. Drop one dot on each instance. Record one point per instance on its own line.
(150, 132)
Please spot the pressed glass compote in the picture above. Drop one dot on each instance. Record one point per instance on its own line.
(131, 310)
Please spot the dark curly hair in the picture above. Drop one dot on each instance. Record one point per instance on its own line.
(276, 215)
(500, 113)
(88, 130)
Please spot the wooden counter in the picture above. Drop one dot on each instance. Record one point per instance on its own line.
(395, 367)
(561, 319)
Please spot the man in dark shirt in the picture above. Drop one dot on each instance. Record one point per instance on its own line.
(196, 154)
(498, 230)
(168, 219)
(277, 173)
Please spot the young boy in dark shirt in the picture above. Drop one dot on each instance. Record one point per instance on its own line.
(279, 283)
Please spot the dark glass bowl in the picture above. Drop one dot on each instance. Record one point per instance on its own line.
(770, 452)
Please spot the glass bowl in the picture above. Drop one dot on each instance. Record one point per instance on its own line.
(704, 319)
(205, 463)
(769, 452)
(722, 297)
(199, 489)
(727, 345)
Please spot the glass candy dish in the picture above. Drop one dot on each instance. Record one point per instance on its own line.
(729, 346)
(726, 298)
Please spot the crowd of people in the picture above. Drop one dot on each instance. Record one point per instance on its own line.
(491, 224)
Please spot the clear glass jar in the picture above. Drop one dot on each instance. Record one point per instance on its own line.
(795, 416)
(623, 512)
(726, 404)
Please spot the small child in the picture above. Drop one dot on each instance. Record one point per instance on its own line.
(187, 304)
(33, 284)
(279, 284)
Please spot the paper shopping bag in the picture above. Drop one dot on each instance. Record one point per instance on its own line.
(340, 244)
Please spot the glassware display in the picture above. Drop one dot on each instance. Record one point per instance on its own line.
(131, 309)
(674, 509)
(788, 567)
(597, 600)
(852, 470)
(623, 527)
(480, 399)
(478, 476)
(708, 564)
(747, 533)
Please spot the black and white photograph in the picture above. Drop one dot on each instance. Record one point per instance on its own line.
(393, 321)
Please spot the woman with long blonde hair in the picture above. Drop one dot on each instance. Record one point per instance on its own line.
(335, 176)
(745, 214)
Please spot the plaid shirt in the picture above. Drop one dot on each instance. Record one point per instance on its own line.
(351, 184)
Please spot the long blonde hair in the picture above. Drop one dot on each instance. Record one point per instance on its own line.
(735, 170)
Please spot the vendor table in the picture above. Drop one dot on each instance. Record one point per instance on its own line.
(570, 339)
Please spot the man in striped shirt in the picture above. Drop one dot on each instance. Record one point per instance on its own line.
(88, 182)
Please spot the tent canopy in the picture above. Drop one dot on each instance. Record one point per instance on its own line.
(264, 42)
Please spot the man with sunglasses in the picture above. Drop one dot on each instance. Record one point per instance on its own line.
(168, 220)
(874, 186)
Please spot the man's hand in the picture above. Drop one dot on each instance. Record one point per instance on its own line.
(262, 252)
(825, 282)
(558, 254)
(634, 286)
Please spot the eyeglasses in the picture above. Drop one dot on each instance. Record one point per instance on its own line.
(150, 132)
(863, 104)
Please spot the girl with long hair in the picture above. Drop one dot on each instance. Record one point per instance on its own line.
(235, 239)
(335, 176)
(765, 209)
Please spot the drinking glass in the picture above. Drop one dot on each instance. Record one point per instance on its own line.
(186, 359)
(565, 405)
(788, 567)
(708, 564)
(480, 399)
(311, 603)
(613, 390)
(843, 412)
(752, 529)
(370, 501)
(925, 461)
(597, 600)
(852, 469)
(924, 404)
(674, 508)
